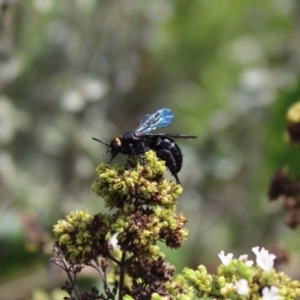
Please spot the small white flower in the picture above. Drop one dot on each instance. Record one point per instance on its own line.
(114, 241)
(225, 259)
(247, 262)
(271, 293)
(242, 287)
(264, 259)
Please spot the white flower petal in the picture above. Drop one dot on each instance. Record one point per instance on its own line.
(114, 241)
(271, 293)
(264, 259)
(247, 262)
(225, 258)
(242, 287)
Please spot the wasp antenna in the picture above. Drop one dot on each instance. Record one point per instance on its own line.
(107, 144)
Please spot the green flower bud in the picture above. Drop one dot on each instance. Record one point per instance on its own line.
(64, 238)
(88, 248)
(221, 280)
(78, 236)
(293, 114)
(154, 249)
(156, 296)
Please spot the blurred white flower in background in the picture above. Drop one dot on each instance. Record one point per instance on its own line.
(82, 90)
(11, 120)
(73, 101)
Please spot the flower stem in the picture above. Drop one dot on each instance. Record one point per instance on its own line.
(122, 266)
(102, 275)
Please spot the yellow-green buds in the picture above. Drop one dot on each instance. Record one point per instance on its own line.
(82, 237)
(293, 128)
(132, 183)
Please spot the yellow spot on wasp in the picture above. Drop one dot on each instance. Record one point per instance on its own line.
(118, 141)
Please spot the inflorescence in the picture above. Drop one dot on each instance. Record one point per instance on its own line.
(123, 246)
(241, 279)
(144, 204)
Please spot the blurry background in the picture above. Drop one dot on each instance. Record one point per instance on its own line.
(71, 70)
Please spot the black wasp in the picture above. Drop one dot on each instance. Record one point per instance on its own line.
(138, 141)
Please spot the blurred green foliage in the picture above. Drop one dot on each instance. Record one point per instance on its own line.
(71, 70)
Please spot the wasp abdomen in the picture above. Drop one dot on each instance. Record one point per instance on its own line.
(169, 151)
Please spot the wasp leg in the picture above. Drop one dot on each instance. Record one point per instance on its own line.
(143, 160)
(142, 150)
(132, 150)
(168, 157)
(110, 160)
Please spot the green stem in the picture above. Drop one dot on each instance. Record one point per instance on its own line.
(74, 282)
(122, 266)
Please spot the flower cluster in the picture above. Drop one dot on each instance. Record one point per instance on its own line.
(123, 246)
(82, 237)
(132, 185)
(241, 279)
(144, 204)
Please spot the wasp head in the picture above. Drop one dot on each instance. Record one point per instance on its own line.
(115, 147)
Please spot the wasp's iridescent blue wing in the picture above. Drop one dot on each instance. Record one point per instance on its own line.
(170, 135)
(161, 118)
(145, 118)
